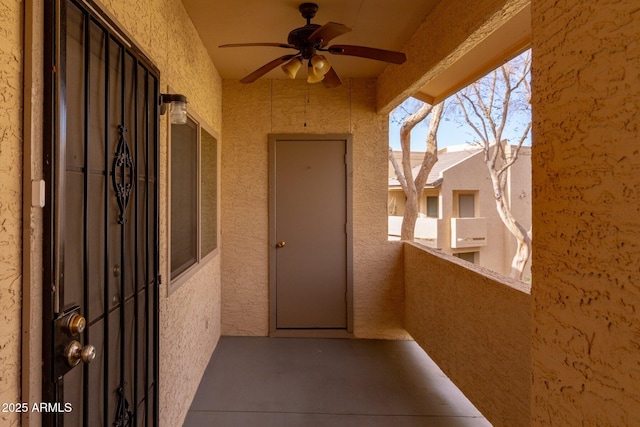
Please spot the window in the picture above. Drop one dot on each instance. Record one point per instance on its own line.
(193, 181)
(466, 205)
(471, 257)
(432, 206)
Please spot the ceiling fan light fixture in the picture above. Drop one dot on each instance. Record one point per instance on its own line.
(312, 75)
(292, 67)
(320, 64)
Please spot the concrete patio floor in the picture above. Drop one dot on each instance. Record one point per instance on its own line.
(256, 381)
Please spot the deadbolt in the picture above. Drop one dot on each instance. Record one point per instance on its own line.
(280, 244)
(75, 325)
(75, 353)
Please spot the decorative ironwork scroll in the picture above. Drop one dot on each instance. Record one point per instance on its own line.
(122, 173)
(124, 415)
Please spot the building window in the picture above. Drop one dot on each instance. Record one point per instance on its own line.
(193, 178)
(466, 205)
(432, 206)
(471, 257)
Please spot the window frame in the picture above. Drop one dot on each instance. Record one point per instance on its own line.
(437, 201)
(183, 277)
(456, 203)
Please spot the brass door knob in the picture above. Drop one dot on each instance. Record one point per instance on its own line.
(76, 353)
(280, 244)
(76, 325)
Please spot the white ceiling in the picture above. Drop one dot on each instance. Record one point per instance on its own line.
(384, 24)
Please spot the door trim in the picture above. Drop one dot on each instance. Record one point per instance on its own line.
(319, 333)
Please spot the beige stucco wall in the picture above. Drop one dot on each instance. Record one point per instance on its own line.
(476, 326)
(251, 112)
(10, 204)
(586, 205)
(190, 317)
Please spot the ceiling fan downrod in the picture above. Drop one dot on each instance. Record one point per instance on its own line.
(308, 11)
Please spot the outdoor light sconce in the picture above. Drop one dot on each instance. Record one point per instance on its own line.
(177, 107)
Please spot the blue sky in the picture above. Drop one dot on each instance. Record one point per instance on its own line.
(449, 133)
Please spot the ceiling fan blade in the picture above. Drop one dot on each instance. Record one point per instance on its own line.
(369, 52)
(331, 79)
(290, 46)
(328, 32)
(266, 68)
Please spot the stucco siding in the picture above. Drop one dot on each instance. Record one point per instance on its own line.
(10, 204)
(251, 112)
(476, 326)
(586, 190)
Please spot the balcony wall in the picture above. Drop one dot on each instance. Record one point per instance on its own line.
(468, 232)
(476, 325)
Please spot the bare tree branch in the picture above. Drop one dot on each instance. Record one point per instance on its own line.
(487, 107)
(398, 171)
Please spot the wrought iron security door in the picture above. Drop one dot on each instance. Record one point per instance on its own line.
(101, 223)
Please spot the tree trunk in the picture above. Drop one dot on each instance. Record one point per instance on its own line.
(523, 240)
(520, 259)
(413, 188)
(409, 219)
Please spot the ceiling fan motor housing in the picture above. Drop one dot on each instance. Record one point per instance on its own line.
(300, 39)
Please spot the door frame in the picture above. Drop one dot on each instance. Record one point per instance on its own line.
(324, 333)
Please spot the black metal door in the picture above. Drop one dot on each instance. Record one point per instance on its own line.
(101, 224)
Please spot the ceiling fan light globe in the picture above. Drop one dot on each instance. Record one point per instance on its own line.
(320, 64)
(313, 76)
(292, 67)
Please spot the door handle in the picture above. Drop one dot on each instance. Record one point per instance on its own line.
(76, 353)
(280, 244)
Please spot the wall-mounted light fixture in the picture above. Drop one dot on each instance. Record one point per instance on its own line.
(177, 107)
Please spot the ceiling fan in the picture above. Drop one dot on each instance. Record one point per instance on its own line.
(308, 41)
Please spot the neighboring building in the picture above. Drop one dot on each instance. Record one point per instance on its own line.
(457, 212)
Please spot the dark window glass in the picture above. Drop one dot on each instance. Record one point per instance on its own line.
(466, 206)
(432, 206)
(208, 192)
(184, 196)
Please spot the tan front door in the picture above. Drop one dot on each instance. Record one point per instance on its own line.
(309, 233)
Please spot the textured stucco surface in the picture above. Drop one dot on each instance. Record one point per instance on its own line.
(449, 32)
(476, 326)
(586, 182)
(253, 111)
(10, 204)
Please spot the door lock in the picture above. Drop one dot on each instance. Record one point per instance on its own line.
(75, 325)
(69, 327)
(280, 244)
(76, 353)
